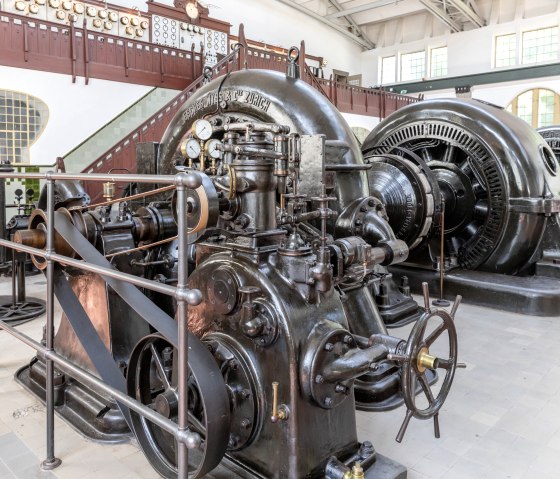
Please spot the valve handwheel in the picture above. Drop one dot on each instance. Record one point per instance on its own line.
(416, 359)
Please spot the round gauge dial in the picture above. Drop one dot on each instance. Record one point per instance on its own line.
(78, 8)
(54, 3)
(129, 30)
(67, 5)
(125, 20)
(20, 6)
(144, 24)
(97, 23)
(113, 16)
(40, 2)
(103, 14)
(212, 148)
(33, 8)
(202, 129)
(139, 32)
(108, 25)
(91, 11)
(192, 10)
(191, 148)
(60, 15)
(135, 21)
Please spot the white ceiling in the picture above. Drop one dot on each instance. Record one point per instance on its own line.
(355, 17)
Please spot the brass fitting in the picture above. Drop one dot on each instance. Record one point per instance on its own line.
(425, 360)
(357, 471)
(278, 413)
(108, 190)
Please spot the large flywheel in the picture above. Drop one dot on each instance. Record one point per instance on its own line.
(152, 379)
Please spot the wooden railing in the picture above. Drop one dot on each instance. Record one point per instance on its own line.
(41, 45)
(123, 154)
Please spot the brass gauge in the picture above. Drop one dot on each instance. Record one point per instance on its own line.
(78, 8)
(139, 32)
(108, 25)
(97, 23)
(67, 5)
(103, 14)
(129, 30)
(202, 129)
(211, 148)
(125, 20)
(144, 24)
(20, 6)
(40, 2)
(191, 148)
(113, 16)
(134, 21)
(60, 14)
(33, 8)
(54, 3)
(184, 26)
(91, 11)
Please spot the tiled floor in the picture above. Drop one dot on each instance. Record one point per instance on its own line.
(501, 420)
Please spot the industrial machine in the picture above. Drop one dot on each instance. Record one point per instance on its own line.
(288, 286)
(496, 181)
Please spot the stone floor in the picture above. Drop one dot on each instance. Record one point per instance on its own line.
(501, 419)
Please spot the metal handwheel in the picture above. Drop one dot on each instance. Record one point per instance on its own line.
(416, 359)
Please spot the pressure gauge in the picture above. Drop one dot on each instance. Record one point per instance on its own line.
(54, 3)
(67, 5)
(184, 26)
(97, 23)
(139, 32)
(33, 8)
(108, 25)
(61, 15)
(202, 129)
(40, 2)
(113, 16)
(134, 21)
(211, 148)
(144, 24)
(91, 11)
(191, 148)
(78, 8)
(20, 6)
(103, 14)
(129, 30)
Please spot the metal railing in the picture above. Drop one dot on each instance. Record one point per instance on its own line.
(181, 293)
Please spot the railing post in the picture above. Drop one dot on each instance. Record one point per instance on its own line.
(301, 59)
(242, 60)
(25, 42)
(73, 47)
(182, 273)
(86, 52)
(51, 461)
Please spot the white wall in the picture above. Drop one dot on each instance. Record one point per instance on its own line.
(367, 122)
(277, 24)
(75, 110)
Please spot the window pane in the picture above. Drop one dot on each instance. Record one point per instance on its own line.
(505, 50)
(388, 70)
(413, 66)
(438, 62)
(540, 45)
(546, 108)
(525, 106)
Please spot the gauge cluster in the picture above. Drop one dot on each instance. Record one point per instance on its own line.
(199, 149)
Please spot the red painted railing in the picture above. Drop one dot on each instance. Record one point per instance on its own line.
(41, 45)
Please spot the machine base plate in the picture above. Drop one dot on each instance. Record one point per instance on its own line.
(532, 295)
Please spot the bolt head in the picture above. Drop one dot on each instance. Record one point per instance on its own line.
(329, 347)
(328, 402)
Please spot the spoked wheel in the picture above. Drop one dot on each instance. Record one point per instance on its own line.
(416, 361)
(152, 379)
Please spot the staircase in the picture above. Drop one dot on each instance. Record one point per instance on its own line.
(350, 99)
(122, 125)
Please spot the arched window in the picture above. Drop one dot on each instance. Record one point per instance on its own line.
(538, 107)
(22, 119)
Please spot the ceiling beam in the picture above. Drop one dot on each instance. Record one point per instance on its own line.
(468, 12)
(339, 28)
(359, 31)
(362, 8)
(440, 14)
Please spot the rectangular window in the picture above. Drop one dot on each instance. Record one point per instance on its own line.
(388, 70)
(540, 45)
(506, 47)
(413, 66)
(546, 108)
(438, 62)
